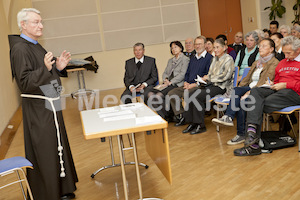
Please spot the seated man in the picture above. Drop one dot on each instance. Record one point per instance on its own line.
(238, 42)
(189, 47)
(198, 65)
(140, 74)
(230, 51)
(274, 26)
(284, 92)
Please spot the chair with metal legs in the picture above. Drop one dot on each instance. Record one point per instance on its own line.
(285, 111)
(221, 101)
(16, 165)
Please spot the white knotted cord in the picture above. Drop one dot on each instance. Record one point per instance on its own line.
(60, 148)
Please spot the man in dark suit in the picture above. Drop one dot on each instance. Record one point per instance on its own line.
(238, 42)
(140, 75)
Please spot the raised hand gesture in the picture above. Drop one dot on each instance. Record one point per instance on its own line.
(63, 60)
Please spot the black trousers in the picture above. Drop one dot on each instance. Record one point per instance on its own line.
(195, 109)
(161, 108)
(268, 101)
(127, 95)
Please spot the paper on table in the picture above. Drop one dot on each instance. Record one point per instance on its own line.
(112, 114)
(148, 120)
(107, 110)
(200, 80)
(120, 117)
(130, 106)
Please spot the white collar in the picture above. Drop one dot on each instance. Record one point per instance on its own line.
(297, 58)
(237, 44)
(280, 50)
(203, 54)
(141, 60)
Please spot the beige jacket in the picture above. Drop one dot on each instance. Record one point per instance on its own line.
(267, 71)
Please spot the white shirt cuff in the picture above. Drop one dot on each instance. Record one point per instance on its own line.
(145, 84)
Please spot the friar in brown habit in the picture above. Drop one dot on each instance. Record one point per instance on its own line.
(37, 74)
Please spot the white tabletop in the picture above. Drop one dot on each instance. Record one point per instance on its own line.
(123, 119)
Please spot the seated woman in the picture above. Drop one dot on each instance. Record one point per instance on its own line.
(276, 37)
(173, 77)
(295, 31)
(230, 51)
(247, 56)
(218, 79)
(285, 30)
(261, 35)
(209, 46)
(267, 33)
(261, 70)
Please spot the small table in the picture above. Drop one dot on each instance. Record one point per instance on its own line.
(81, 90)
(130, 119)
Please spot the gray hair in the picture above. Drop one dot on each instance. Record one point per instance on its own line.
(260, 33)
(201, 37)
(23, 15)
(286, 27)
(139, 44)
(220, 41)
(296, 28)
(291, 40)
(254, 35)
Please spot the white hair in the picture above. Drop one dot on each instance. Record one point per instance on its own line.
(286, 27)
(296, 28)
(291, 40)
(260, 33)
(23, 15)
(254, 35)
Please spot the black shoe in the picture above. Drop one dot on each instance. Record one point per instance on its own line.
(189, 128)
(181, 122)
(248, 151)
(68, 196)
(198, 129)
(176, 118)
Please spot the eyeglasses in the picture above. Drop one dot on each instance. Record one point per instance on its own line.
(36, 23)
(198, 44)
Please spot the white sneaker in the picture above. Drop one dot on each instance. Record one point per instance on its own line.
(224, 121)
(236, 140)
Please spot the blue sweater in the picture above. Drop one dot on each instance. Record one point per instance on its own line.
(197, 67)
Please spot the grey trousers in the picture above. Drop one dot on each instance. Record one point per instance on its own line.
(179, 93)
(268, 101)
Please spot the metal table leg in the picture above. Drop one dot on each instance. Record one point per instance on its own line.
(113, 164)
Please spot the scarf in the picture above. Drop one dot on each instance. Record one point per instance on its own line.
(262, 60)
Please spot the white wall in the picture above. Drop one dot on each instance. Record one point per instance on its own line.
(286, 19)
(10, 100)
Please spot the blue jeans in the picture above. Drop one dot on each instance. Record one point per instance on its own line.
(240, 114)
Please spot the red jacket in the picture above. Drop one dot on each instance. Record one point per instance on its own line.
(288, 72)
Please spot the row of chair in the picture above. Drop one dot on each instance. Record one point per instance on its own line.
(285, 111)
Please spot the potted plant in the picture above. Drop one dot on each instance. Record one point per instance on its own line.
(296, 9)
(277, 9)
